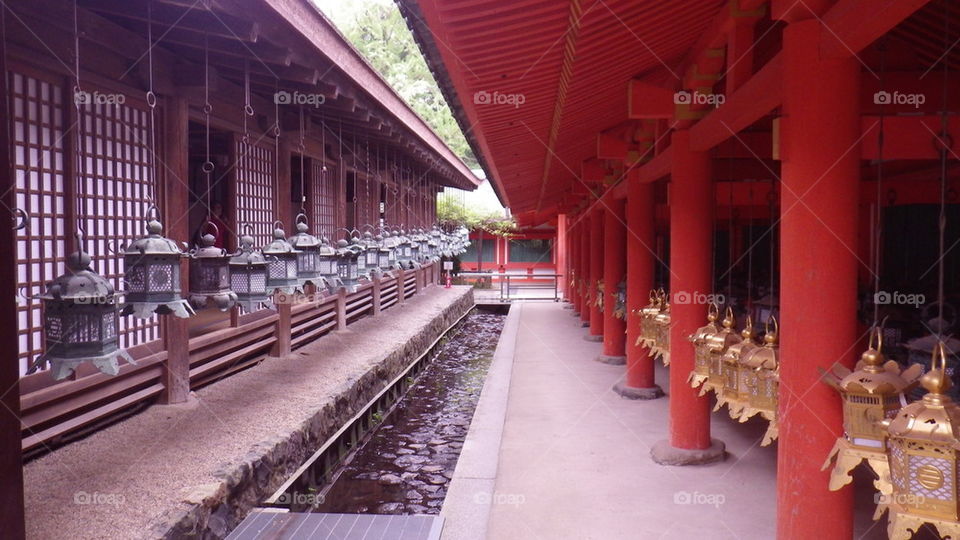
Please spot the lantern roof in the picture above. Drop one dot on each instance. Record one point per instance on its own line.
(736, 351)
(935, 418)
(154, 243)
(279, 245)
(303, 239)
(727, 335)
(206, 249)
(710, 329)
(79, 283)
(766, 357)
(248, 255)
(325, 247)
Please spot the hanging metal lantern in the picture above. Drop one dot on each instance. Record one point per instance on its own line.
(371, 253)
(152, 274)
(308, 254)
(347, 267)
(701, 358)
(393, 243)
(763, 382)
(282, 259)
(210, 274)
(405, 253)
(248, 275)
(648, 328)
(733, 395)
(661, 345)
(384, 255)
(717, 346)
(80, 321)
(328, 264)
(874, 391)
(923, 449)
(415, 237)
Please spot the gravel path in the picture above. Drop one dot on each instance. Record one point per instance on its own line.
(120, 482)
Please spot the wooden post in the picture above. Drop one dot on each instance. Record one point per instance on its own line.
(176, 175)
(401, 285)
(341, 310)
(11, 462)
(376, 295)
(282, 347)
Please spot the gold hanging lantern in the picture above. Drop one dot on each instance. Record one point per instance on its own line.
(717, 346)
(763, 382)
(701, 358)
(661, 344)
(648, 314)
(734, 394)
(923, 448)
(874, 391)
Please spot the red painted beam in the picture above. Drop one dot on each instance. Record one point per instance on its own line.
(904, 137)
(850, 31)
(646, 101)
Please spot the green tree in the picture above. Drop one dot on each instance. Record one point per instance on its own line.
(379, 32)
(452, 213)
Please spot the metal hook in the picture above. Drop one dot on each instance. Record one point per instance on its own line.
(24, 223)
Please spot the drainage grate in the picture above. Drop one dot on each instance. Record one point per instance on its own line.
(279, 525)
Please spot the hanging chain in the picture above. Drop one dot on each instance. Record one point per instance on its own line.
(750, 249)
(207, 167)
(247, 106)
(276, 146)
(878, 219)
(78, 154)
(945, 137)
(302, 148)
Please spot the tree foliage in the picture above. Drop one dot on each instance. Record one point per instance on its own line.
(452, 213)
(379, 32)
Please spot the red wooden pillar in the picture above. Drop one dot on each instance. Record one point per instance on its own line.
(11, 457)
(585, 296)
(283, 345)
(614, 271)
(692, 204)
(560, 246)
(641, 245)
(596, 273)
(821, 166)
(573, 284)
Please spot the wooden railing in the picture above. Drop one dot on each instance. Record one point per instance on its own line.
(56, 411)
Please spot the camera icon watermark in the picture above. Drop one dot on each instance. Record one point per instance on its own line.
(82, 97)
(899, 499)
(483, 97)
(301, 499)
(296, 97)
(897, 298)
(715, 500)
(697, 298)
(685, 97)
(897, 98)
(96, 498)
(498, 498)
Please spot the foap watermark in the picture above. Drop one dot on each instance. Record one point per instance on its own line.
(483, 97)
(684, 97)
(897, 298)
(298, 98)
(97, 498)
(900, 499)
(498, 498)
(898, 98)
(708, 499)
(698, 298)
(301, 499)
(82, 97)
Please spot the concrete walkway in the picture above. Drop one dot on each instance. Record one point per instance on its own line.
(574, 457)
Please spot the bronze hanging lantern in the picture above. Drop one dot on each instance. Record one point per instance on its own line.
(328, 264)
(923, 448)
(80, 321)
(648, 328)
(152, 274)
(717, 346)
(371, 253)
(874, 391)
(384, 255)
(733, 394)
(210, 274)
(763, 382)
(308, 254)
(248, 275)
(347, 267)
(701, 357)
(282, 259)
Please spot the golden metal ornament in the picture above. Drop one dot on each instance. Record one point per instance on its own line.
(717, 345)
(874, 391)
(661, 346)
(923, 448)
(763, 382)
(701, 355)
(733, 394)
(648, 328)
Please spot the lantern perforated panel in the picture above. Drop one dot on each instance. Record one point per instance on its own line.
(255, 190)
(36, 106)
(115, 158)
(325, 199)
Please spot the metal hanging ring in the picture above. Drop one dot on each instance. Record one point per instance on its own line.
(152, 211)
(278, 224)
(216, 230)
(207, 167)
(207, 108)
(248, 109)
(301, 215)
(151, 99)
(24, 223)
